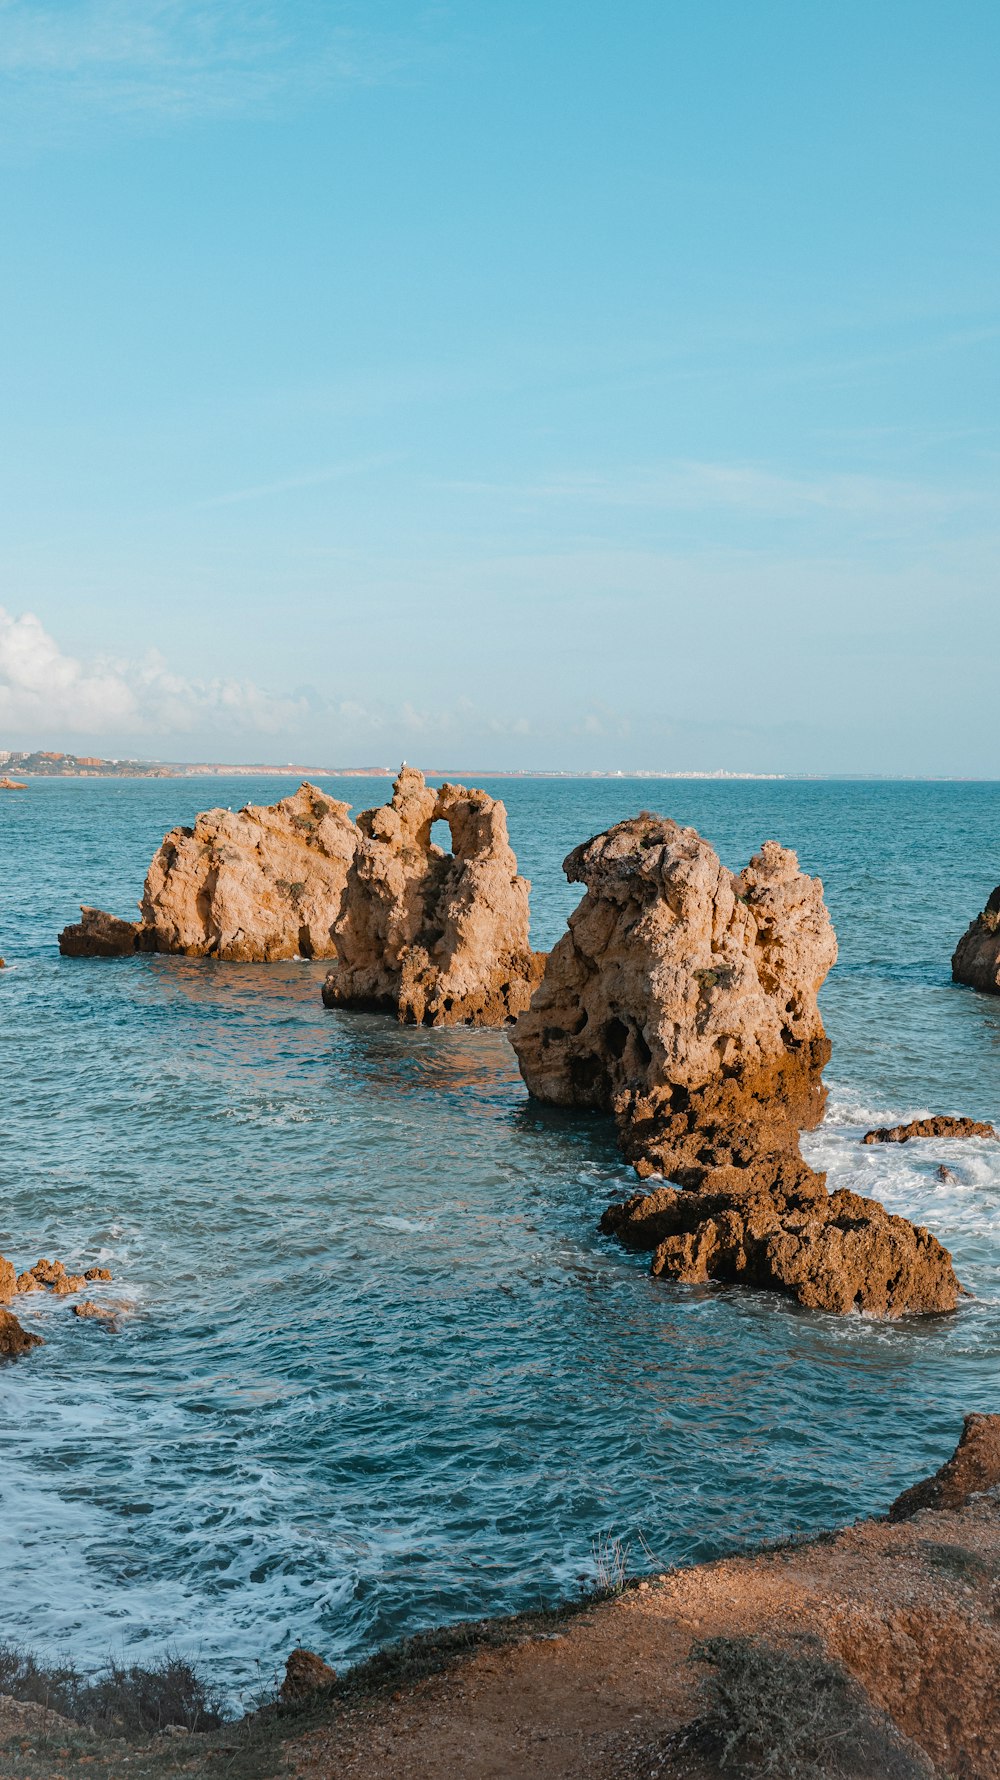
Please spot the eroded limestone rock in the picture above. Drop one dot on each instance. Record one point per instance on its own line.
(828, 1251)
(941, 1125)
(436, 938)
(263, 883)
(974, 1467)
(680, 980)
(14, 1340)
(99, 935)
(976, 959)
(682, 999)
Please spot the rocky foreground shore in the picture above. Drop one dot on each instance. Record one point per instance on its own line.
(871, 1653)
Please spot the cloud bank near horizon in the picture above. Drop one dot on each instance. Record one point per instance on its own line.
(45, 692)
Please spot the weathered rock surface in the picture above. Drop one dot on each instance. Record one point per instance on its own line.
(262, 884)
(436, 938)
(99, 935)
(7, 784)
(8, 1280)
(15, 1341)
(974, 1467)
(828, 1251)
(305, 1673)
(976, 959)
(682, 999)
(940, 1126)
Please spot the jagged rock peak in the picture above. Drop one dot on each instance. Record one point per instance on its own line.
(436, 938)
(675, 971)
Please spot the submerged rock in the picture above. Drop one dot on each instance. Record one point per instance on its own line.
(976, 959)
(682, 999)
(14, 1340)
(974, 1467)
(435, 938)
(261, 884)
(942, 1125)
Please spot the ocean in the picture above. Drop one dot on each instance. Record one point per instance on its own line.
(381, 1370)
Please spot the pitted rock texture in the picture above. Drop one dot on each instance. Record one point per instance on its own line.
(828, 1251)
(435, 938)
(14, 1340)
(262, 884)
(683, 1000)
(99, 935)
(976, 959)
(973, 1468)
(677, 977)
(942, 1125)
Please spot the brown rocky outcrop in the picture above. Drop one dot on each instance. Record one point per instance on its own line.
(436, 938)
(682, 999)
(99, 935)
(828, 1251)
(305, 1673)
(7, 784)
(976, 959)
(260, 884)
(942, 1125)
(15, 1341)
(974, 1467)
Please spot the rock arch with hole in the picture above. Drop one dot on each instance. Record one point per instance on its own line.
(436, 938)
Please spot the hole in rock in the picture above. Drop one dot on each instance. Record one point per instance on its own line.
(643, 1051)
(441, 835)
(616, 1037)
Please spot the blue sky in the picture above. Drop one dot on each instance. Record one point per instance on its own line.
(500, 385)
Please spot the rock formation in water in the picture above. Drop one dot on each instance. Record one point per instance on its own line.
(15, 1340)
(99, 935)
(7, 784)
(261, 884)
(436, 938)
(51, 1276)
(976, 960)
(829, 1251)
(973, 1468)
(682, 999)
(942, 1125)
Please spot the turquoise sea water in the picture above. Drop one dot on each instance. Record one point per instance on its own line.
(381, 1370)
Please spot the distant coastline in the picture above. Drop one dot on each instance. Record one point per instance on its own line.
(49, 764)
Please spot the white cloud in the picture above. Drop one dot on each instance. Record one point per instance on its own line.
(62, 61)
(47, 693)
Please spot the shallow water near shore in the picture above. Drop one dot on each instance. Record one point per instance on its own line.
(381, 1371)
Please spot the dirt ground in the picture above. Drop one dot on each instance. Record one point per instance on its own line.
(913, 1609)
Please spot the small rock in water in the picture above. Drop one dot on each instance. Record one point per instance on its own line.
(15, 1341)
(97, 1273)
(942, 1125)
(945, 1173)
(105, 1312)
